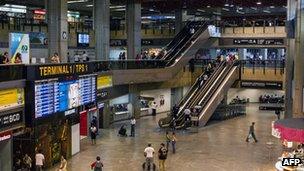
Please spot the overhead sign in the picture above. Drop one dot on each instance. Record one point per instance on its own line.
(104, 81)
(258, 41)
(19, 43)
(10, 98)
(11, 119)
(261, 84)
(65, 69)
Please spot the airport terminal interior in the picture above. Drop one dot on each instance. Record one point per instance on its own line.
(162, 85)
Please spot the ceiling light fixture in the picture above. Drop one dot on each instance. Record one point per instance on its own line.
(225, 9)
(77, 1)
(90, 5)
(259, 3)
(271, 6)
(208, 6)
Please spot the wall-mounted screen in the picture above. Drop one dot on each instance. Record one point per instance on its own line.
(83, 40)
(52, 96)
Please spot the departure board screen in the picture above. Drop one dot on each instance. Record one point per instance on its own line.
(52, 96)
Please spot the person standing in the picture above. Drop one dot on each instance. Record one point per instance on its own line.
(154, 106)
(84, 57)
(168, 139)
(63, 164)
(278, 113)
(76, 58)
(97, 165)
(162, 156)
(149, 154)
(5, 59)
(173, 140)
(68, 57)
(93, 131)
(27, 161)
(133, 122)
(251, 133)
(39, 160)
(187, 113)
(55, 58)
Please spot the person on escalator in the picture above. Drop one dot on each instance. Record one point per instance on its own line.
(175, 110)
(187, 113)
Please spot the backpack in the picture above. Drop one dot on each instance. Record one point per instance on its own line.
(98, 166)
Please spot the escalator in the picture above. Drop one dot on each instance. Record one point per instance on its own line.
(178, 53)
(207, 96)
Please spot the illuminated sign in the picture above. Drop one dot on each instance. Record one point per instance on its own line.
(10, 98)
(40, 11)
(5, 136)
(8, 120)
(104, 81)
(62, 69)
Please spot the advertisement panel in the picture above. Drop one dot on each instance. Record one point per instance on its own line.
(104, 81)
(11, 98)
(19, 43)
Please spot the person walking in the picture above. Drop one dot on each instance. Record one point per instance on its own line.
(168, 139)
(39, 160)
(133, 122)
(149, 154)
(97, 165)
(162, 156)
(173, 141)
(251, 133)
(93, 131)
(278, 113)
(63, 164)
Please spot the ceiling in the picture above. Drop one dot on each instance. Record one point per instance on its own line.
(196, 7)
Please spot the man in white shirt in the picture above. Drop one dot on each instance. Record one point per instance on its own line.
(84, 57)
(76, 58)
(133, 122)
(154, 106)
(149, 153)
(39, 160)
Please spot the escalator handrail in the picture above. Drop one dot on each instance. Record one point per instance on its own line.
(205, 88)
(193, 37)
(179, 34)
(217, 85)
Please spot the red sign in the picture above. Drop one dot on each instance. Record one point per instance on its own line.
(40, 11)
(5, 136)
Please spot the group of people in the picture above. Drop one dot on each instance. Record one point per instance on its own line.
(123, 130)
(4, 58)
(162, 153)
(77, 58)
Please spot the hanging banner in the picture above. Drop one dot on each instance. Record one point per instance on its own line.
(104, 81)
(19, 43)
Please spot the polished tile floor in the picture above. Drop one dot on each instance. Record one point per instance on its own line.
(217, 147)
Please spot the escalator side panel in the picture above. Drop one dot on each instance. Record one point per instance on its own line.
(218, 96)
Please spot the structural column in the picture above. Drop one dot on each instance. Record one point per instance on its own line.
(57, 28)
(134, 100)
(178, 20)
(133, 20)
(290, 53)
(102, 29)
(242, 53)
(298, 60)
(264, 53)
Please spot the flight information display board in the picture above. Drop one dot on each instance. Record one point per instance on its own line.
(53, 96)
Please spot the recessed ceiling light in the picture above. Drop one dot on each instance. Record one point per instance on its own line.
(231, 5)
(226, 5)
(208, 6)
(259, 3)
(271, 6)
